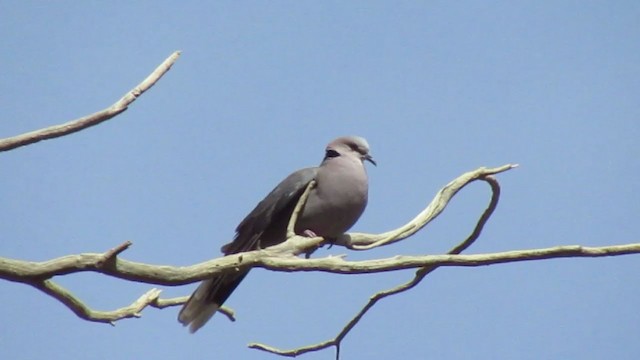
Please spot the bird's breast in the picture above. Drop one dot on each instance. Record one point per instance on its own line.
(336, 203)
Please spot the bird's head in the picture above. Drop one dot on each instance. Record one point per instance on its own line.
(351, 146)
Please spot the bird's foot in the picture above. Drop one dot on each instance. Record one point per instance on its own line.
(308, 233)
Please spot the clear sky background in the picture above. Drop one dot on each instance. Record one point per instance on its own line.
(438, 88)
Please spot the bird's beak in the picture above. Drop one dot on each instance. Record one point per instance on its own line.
(369, 158)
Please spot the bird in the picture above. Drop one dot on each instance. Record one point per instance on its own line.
(333, 206)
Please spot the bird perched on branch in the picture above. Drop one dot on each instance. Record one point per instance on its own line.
(333, 206)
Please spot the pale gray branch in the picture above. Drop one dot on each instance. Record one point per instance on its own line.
(425, 264)
(92, 119)
(27, 271)
(150, 298)
(296, 211)
(361, 241)
(283, 257)
(420, 274)
(83, 311)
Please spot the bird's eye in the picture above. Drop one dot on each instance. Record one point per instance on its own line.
(332, 153)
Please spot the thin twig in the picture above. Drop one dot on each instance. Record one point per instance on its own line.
(171, 302)
(177, 301)
(291, 226)
(92, 119)
(111, 255)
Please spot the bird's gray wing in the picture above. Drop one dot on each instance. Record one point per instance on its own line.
(261, 226)
(269, 211)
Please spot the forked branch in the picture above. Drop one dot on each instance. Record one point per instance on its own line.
(280, 258)
(430, 213)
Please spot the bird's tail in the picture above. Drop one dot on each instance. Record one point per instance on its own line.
(198, 309)
(207, 299)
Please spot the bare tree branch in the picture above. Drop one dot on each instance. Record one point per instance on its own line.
(93, 119)
(296, 211)
(273, 257)
(420, 274)
(150, 298)
(426, 265)
(84, 312)
(27, 271)
(281, 258)
(360, 241)
(108, 259)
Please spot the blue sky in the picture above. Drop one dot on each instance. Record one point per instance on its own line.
(438, 88)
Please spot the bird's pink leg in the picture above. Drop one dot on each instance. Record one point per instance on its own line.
(308, 233)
